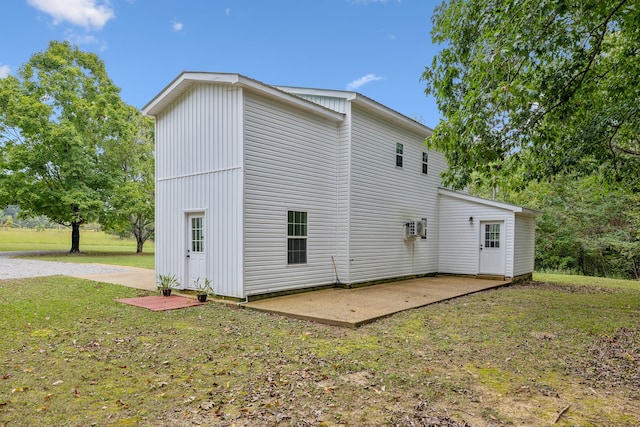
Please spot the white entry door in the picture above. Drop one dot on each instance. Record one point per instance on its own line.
(196, 259)
(492, 247)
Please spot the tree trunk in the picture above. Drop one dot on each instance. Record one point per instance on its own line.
(139, 245)
(75, 237)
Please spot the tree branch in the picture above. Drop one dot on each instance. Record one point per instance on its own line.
(583, 73)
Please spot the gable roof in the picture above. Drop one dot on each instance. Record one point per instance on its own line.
(187, 79)
(287, 94)
(506, 206)
(367, 103)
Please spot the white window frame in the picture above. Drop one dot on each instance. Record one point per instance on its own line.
(425, 163)
(297, 231)
(399, 155)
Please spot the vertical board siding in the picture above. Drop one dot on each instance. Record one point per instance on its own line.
(199, 168)
(525, 245)
(290, 164)
(384, 197)
(460, 238)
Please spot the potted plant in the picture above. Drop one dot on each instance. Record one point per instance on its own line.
(166, 283)
(203, 288)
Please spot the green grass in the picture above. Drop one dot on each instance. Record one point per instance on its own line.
(144, 260)
(71, 355)
(577, 280)
(95, 246)
(20, 239)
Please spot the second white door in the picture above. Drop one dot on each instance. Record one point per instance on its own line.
(492, 247)
(196, 259)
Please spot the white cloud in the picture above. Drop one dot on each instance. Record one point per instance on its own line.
(81, 39)
(5, 70)
(85, 13)
(177, 26)
(354, 85)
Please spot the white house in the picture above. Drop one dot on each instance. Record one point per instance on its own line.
(267, 189)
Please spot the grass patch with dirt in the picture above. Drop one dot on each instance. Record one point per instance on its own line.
(526, 354)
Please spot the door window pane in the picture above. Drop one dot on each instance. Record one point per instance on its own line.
(197, 235)
(492, 235)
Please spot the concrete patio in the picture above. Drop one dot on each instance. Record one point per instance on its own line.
(358, 306)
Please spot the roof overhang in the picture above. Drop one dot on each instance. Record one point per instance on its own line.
(187, 79)
(479, 200)
(392, 115)
(368, 104)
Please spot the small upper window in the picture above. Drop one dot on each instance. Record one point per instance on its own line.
(399, 152)
(425, 163)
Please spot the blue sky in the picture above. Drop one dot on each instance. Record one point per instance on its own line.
(376, 47)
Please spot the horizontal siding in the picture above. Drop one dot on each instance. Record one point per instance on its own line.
(384, 197)
(525, 245)
(460, 238)
(290, 163)
(341, 105)
(199, 168)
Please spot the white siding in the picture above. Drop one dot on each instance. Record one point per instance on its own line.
(341, 105)
(384, 197)
(291, 164)
(524, 256)
(460, 238)
(199, 168)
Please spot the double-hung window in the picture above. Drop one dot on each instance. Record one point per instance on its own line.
(296, 237)
(399, 154)
(425, 163)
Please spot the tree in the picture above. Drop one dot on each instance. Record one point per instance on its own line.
(61, 122)
(131, 207)
(535, 88)
(586, 227)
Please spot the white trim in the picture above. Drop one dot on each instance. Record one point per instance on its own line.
(331, 93)
(365, 102)
(487, 202)
(392, 115)
(188, 213)
(503, 244)
(187, 175)
(187, 78)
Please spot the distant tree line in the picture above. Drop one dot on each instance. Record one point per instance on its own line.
(11, 218)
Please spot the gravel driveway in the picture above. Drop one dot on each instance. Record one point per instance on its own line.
(14, 268)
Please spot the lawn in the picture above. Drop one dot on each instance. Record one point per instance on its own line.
(95, 246)
(528, 354)
(21, 239)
